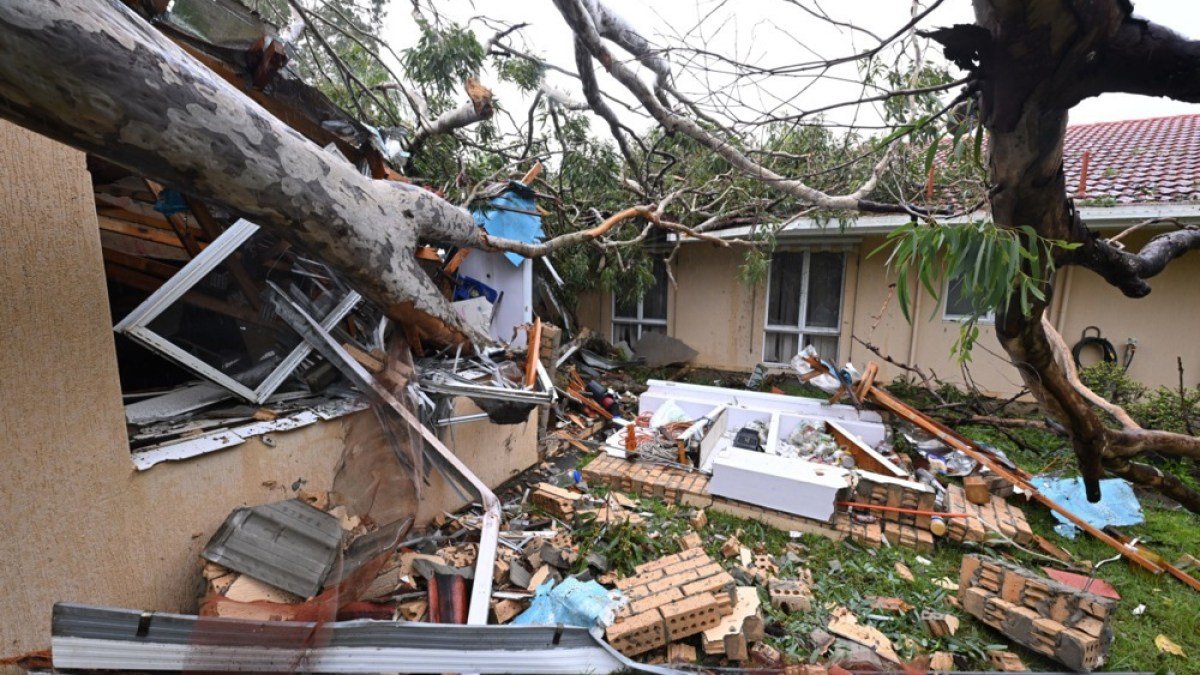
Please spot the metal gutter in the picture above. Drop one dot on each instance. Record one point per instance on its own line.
(102, 638)
(451, 466)
(1097, 217)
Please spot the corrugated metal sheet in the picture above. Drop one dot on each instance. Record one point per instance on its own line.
(101, 638)
(289, 544)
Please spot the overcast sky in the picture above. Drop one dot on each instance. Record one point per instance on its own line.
(765, 32)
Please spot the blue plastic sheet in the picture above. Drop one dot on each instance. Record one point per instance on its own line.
(1118, 506)
(512, 215)
(571, 603)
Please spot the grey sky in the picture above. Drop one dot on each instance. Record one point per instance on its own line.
(766, 32)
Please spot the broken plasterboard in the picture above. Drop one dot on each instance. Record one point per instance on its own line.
(780, 483)
(475, 312)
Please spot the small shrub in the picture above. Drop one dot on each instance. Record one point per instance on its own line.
(1112, 382)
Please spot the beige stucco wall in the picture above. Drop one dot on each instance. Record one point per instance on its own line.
(722, 318)
(79, 523)
(715, 312)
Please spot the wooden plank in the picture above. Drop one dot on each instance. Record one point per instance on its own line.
(149, 266)
(144, 232)
(145, 282)
(1016, 476)
(213, 229)
(533, 352)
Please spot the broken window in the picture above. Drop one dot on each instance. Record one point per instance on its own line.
(647, 314)
(804, 304)
(209, 318)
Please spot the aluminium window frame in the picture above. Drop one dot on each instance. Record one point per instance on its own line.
(986, 319)
(800, 329)
(640, 320)
(136, 324)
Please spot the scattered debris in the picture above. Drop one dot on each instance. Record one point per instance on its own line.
(1006, 662)
(1083, 582)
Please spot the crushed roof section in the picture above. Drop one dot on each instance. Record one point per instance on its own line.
(1146, 161)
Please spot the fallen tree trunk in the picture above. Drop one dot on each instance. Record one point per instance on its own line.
(92, 74)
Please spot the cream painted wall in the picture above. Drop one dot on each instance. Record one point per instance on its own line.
(722, 319)
(1165, 323)
(713, 311)
(79, 523)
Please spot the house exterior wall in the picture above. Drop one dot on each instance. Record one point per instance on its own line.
(722, 318)
(80, 523)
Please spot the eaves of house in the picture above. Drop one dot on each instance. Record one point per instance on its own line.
(1119, 173)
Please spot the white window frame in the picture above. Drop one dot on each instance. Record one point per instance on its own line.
(800, 329)
(988, 318)
(640, 321)
(137, 324)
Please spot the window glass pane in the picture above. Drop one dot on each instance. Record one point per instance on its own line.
(651, 328)
(216, 323)
(624, 332)
(626, 309)
(826, 346)
(824, 290)
(654, 303)
(783, 294)
(957, 303)
(781, 347)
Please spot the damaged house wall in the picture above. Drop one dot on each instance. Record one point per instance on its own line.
(81, 523)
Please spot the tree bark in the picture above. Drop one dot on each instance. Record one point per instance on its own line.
(92, 74)
(1033, 62)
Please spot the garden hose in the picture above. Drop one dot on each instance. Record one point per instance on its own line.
(1085, 341)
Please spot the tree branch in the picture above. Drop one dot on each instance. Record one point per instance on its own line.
(1129, 271)
(1149, 59)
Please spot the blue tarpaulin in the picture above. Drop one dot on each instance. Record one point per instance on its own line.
(571, 603)
(512, 215)
(1119, 506)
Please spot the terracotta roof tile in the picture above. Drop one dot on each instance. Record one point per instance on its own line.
(1136, 161)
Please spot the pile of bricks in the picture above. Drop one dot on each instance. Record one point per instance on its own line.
(671, 598)
(662, 482)
(1046, 616)
(555, 501)
(905, 529)
(995, 516)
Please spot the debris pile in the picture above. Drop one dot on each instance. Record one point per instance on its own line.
(1048, 617)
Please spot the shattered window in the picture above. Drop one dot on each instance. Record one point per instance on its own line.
(632, 318)
(804, 304)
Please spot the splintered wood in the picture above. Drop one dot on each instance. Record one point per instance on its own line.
(671, 598)
(1044, 615)
(995, 516)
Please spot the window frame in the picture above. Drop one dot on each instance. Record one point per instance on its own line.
(640, 321)
(136, 324)
(988, 318)
(800, 329)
